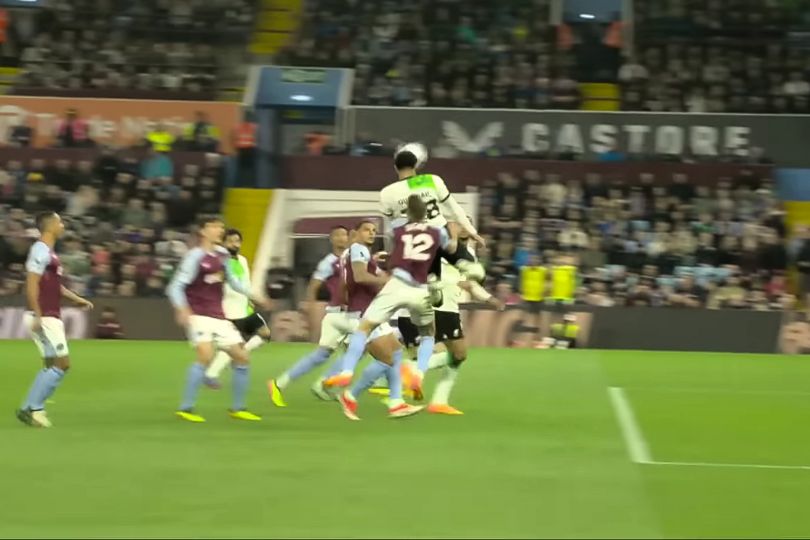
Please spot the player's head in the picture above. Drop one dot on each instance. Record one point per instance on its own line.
(417, 209)
(339, 237)
(50, 223)
(211, 228)
(233, 241)
(366, 232)
(410, 157)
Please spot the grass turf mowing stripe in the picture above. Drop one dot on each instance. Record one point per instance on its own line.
(637, 447)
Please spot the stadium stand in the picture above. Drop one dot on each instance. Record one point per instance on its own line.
(718, 56)
(643, 244)
(471, 54)
(153, 48)
(127, 230)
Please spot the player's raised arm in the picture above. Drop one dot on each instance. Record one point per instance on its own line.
(448, 242)
(453, 211)
(360, 257)
(35, 266)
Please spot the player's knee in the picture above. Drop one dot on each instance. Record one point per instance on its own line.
(63, 363)
(457, 359)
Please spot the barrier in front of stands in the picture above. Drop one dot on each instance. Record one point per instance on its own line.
(118, 122)
(600, 328)
(699, 135)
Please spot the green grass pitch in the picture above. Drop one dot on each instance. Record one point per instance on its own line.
(541, 452)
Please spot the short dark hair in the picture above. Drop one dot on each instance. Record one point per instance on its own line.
(205, 220)
(417, 209)
(43, 218)
(233, 232)
(363, 222)
(338, 227)
(405, 160)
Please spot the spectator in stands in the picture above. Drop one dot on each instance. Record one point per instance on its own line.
(244, 141)
(201, 135)
(22, 135)
(108, 326)
(73, 131)
(160, 139)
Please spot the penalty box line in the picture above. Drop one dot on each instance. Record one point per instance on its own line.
(638, 449)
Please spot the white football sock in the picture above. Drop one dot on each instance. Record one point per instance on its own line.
(438, 359)
(283, 381)
(441, 394)
(254, 343)
(220, 362)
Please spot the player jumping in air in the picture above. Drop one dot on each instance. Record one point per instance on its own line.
(363, 280)
(44, 292)
(441, 206)
(416, 244)
(238, 309)
(335, 326)
(196, 293)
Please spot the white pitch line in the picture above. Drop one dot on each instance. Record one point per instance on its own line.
(637, 446)
(729, 465)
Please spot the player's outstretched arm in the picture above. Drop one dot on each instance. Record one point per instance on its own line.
(480, 294)
(453, 211)
(76, 299)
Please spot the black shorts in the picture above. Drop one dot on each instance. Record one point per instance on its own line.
(250, 325)
(448, 326)
(409, 331)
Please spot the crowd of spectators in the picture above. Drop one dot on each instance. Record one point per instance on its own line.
(477, 53)
(109, 44)
(125, 230)
(718, 56)
(638, 242)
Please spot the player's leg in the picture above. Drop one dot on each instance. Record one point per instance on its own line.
(422, 316)
(331, 334)
(201, 331)
(257, 332)
(52, 344)
(440, 357)
(254, 331)
(241, 378)
(387, 353)
(388, 300)
(457, 354)
(228, 338)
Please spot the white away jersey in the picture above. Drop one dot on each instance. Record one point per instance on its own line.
(394, 197)
(452, 293)
(235, 305)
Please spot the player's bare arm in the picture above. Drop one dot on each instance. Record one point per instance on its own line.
(32, 294)
(362, 275)
(479, 294)
(76, 299)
